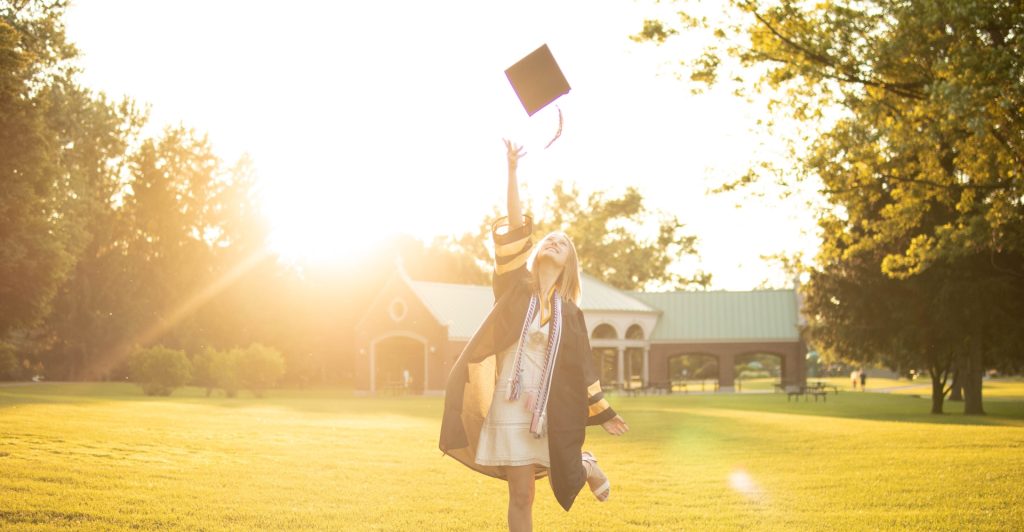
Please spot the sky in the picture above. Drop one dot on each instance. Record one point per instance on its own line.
(366, 119)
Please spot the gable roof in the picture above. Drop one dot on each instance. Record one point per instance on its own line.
(717, 316)
(462, 307)
(598, 295)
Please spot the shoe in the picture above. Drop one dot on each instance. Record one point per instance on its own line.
(603, 491)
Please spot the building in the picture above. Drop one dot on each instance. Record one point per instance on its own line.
(413, 332)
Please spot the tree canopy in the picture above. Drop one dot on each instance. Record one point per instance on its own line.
(608, 232)
(108, 237)
(921, 162)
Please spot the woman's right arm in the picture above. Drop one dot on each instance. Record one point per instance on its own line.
(515, 208)
(512, 242)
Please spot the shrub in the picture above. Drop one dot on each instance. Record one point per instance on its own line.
(203, 369)
(260, 367)
(159, 370)
(224, 370)
(10, 367)
(254, 368)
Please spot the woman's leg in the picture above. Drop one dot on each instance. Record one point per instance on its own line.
(520, 498)
(595, 477)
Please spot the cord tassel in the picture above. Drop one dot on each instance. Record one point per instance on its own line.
(531, 401)
(516, 380)
(537, 424)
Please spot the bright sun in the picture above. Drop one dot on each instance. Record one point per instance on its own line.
(322, 223)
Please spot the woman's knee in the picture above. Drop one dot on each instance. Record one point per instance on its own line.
(521, 495)
(521, 486)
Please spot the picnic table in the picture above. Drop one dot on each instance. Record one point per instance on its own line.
(824, 386)
(653, 387)
(816, 388)
(796, 390)
(395, 387)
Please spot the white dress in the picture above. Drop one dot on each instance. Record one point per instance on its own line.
(505, 438)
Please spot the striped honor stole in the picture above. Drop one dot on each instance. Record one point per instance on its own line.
(539, 404)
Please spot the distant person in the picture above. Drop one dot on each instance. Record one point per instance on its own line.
(854, 378)
(531, 360)
(863, 379)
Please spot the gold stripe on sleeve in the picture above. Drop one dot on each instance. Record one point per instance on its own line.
(518, 262)
(598, 407)
(504, 250)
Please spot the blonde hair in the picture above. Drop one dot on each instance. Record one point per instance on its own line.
(568, 282)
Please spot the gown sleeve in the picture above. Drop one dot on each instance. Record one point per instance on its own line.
(599, 410)
(512, 248)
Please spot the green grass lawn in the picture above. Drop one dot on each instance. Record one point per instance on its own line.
(1011, 388)
(843, 383)
(102, 456)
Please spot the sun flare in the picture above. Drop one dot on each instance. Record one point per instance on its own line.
(321, 223)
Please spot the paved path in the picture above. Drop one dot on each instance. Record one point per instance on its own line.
(890, 389)
(29, 383)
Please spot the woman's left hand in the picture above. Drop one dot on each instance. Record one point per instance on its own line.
(615, 426)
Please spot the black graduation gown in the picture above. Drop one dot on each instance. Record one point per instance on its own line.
(575, 400)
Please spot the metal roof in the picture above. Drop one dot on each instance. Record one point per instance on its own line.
(463, 307)
(717, 316)
(600, 296)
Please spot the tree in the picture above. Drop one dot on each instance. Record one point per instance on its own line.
(225, 372)
(260, 367)
(181, 211)
(159, 370)
(440, 260)
(92, 309)
(108, 239)
(607, 232)
(921, 159)
(10, 365)
(858, 314)
(33, 235)
(203, 370)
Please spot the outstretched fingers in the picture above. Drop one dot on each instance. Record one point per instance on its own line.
(515, 151)
(616, 426)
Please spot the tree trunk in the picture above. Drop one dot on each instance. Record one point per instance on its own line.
(938, 390)
(956, 392)
(972, 381)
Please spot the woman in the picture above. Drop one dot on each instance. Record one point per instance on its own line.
(521, 394)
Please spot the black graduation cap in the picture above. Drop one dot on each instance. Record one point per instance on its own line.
(537, 80)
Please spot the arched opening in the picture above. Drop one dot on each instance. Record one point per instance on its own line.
(693, 371)
(634, 365)
(634, 362)
(605, 358)
(399, 365)
(635, 332)
(604, 332)
(758, 371)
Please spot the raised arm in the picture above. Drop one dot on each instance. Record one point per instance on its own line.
(511, 234)
(515, 208)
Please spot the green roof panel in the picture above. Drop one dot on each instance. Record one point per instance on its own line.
(717, 316)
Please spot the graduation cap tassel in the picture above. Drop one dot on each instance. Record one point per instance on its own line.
(559, 132)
